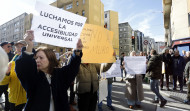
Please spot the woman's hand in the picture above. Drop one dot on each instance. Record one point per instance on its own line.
(29, 37)
(79, 45)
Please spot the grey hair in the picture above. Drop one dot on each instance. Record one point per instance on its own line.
(164, 50)
(131, 54)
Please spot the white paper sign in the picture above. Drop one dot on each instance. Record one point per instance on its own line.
(56, 26)
(135, 64)
(103, 90)
(114, 70)
(3, 63)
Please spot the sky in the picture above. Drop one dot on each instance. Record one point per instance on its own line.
(143, 15)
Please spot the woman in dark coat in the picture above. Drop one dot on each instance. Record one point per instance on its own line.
(45, 83)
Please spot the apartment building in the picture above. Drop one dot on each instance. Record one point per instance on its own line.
(177, 23)
(125, 34)
(111, 23)
(14, 29)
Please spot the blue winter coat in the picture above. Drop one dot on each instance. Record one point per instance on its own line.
(180, 66)
(38, 88)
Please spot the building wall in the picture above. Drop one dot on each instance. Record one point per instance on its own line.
(179, 19)
(112, 25)
(159, 46)
(14, 29)
(188, 10)
(136, 41)
(93, 9)
(96, 12)
(139, 41)
(125, 34)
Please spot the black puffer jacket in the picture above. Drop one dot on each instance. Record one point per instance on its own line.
(154, 67)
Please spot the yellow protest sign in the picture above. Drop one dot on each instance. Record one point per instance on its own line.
(97, 43)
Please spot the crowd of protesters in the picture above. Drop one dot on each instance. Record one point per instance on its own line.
(35, 77)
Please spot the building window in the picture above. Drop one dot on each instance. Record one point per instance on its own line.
(16, 24)
(189, 18)
(120, 29)
(4, 29)
(124, 35)
(125, 47)
(121, 47)
(120, 35)
(69, 6)
(16, 30)
(83, 13)
(106, 15)
(120, 41)
(77, 3)
(83, 1)
(124, 29)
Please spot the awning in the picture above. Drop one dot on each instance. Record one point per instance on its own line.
(179, 42)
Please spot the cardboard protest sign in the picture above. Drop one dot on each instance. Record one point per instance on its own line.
(114, 70)
(97, 43)
(55, 26)
(135, 64)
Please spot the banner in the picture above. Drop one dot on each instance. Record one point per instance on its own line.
(114, 70)
(135, 64)
(97, 43)
(55, 26)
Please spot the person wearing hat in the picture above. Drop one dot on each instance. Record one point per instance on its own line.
(17, 94)
(7, 46)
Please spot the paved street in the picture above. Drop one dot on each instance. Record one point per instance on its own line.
(120, 104)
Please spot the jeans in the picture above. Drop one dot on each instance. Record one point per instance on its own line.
(122, 72)
(132, 102)
(180, 79)
(154, 87)
(109, 100)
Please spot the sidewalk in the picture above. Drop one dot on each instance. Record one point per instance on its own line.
(173, 94)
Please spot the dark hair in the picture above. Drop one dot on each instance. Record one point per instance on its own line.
(153, 52)
(53, 62)
(122, 53)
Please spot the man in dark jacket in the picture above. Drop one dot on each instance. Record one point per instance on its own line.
(178, 69)
(167, 59)
(154, 69)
